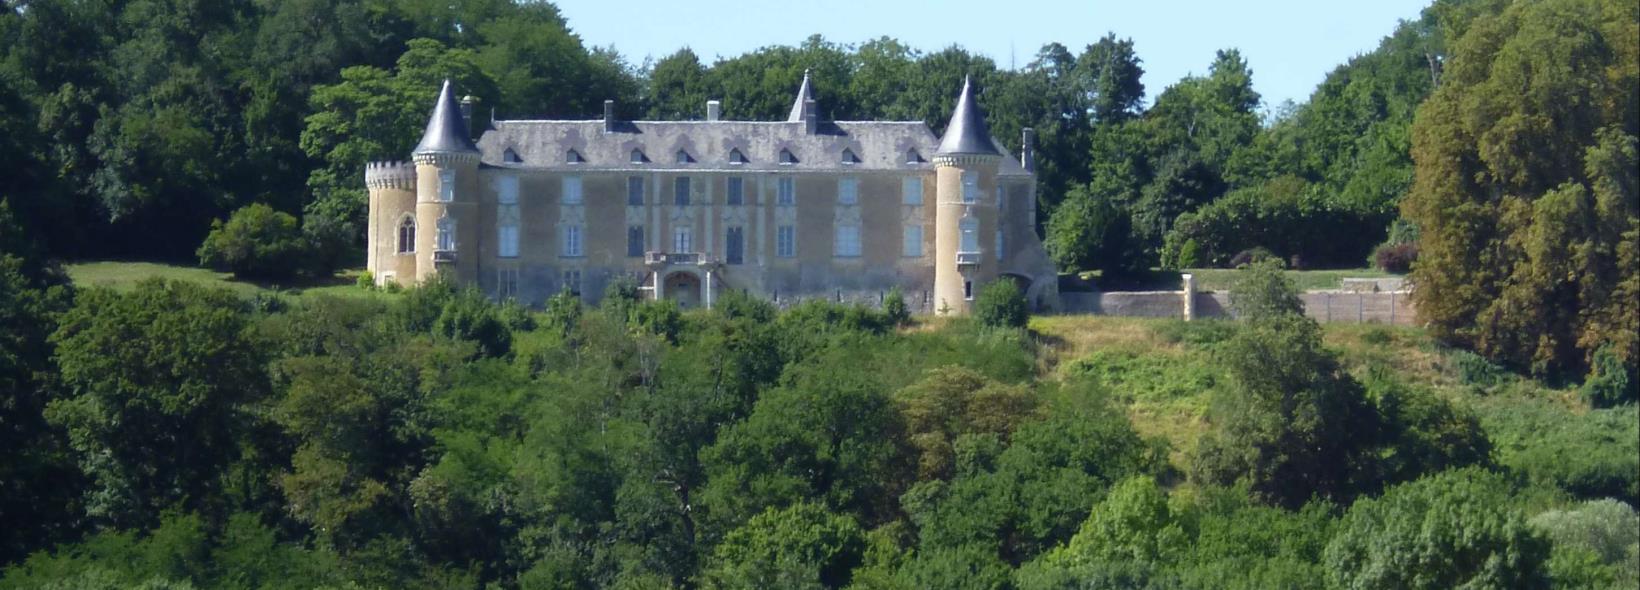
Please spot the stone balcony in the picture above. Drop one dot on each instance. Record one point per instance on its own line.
(444, 256)
(968, 259)
(656, 259)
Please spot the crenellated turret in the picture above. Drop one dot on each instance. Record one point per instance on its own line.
(390, 235)
(447, 193)
(965, 177)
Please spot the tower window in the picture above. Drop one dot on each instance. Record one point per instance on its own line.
(446, 185)
(446, 235)
(970, 186)
(970, 235)
(407, 235)
(968, 290)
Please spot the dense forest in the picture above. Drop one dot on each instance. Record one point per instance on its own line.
(174, 435)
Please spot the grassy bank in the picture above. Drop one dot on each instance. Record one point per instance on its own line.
(122, 276)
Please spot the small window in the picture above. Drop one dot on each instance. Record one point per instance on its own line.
(734, 246)
(572, 241)
(911, 190)
(572, 282)
(407, 235)
(683, 157)
(573, 157)
(446, 185)
(637, 156)
(912, 157)
(849, 159)
(683, 239)
(680, 191)
(735, 157)
(913, 246)
(634, 191)
(785, 241)
(446, 235)
(787, 192)
(847, 244)
(511, 157)
(786, 157)
(968, 290)
(634, 241)
(970, 187)
(736, 191)
(571, 186)
(848, 191)
(506, 283)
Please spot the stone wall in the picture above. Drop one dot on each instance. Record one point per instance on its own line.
(1325, 306)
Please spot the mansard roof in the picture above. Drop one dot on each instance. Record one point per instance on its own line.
(879, 145)
(967, 134)
(446, 129)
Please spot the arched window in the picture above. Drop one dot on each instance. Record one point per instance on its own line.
(849, 159)
(912, 157)
(735, 157)
(446, 235)
(407, 235)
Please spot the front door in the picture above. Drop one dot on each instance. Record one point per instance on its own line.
(684, 288)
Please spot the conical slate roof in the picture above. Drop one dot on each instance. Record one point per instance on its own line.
(446, 129)
(800, 107)
(967, 134)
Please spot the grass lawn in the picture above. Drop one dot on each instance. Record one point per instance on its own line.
(121, 276)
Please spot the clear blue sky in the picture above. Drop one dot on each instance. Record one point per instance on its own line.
(1291, 44)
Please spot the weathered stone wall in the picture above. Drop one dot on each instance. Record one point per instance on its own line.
(1325, 306)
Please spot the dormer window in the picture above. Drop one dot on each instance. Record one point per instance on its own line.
(511, 157)
(786, 157)
(735, 157)
(849, 159)
(684, 158)
(912, 157)
(573, 157)
(638, 157)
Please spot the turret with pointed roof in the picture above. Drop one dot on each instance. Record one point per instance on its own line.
(966, 133)
(802, 107)
(446, 130)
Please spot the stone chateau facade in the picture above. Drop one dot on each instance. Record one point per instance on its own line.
(786, 210)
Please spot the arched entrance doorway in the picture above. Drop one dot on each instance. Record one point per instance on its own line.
(684, 288)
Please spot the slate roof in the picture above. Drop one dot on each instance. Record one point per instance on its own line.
(967, 134)
(879, 145)
(446, 130)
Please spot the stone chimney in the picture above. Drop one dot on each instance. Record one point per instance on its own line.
(467, 103)
(811, 117)
(609, 116)
(714, 110)
(1027, 150)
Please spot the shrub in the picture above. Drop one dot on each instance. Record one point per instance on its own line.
(366, 280)
(894, 307)
(1610, 381)
(1262, 290)
(256, 243)
(1189, 256)
(1001, 305)
(1251, 255)
(1395, 258)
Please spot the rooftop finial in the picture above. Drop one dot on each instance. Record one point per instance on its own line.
(966, 133)
(446, 129)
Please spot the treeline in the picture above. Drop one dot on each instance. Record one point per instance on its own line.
(133, 125)
(176, 436)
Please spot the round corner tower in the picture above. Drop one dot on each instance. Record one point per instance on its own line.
(446, 173)
(390, 235)
(965, 172)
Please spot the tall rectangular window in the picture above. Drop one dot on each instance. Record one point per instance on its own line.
(785, 241)
(680, 191)
(506, 232)
(913, 241)
(446, 185)
(736, 191)
(634, 191)
(969, 241)
(572, 281)
(734, 246)
(506, 190)
(572, 241)
(786, 191)
(911, 190)
(634, 241)
(970, 187)
(683, 239)
(848, 191)
(506, 283)
(1000, 244)
(847, 244)
(572, 190)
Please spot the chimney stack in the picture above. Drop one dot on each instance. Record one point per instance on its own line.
(811, 119)
(1027, 150)
(609, 116)
(714, 110)
(467, 103)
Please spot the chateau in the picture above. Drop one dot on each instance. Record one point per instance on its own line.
(785, 210)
